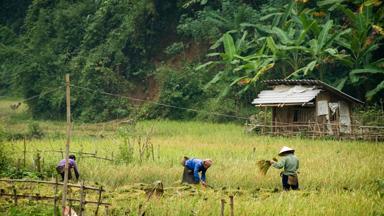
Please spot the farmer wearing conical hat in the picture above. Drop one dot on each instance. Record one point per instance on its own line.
(192, 167)
(290, 163)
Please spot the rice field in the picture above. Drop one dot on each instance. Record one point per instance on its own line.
(336, 177)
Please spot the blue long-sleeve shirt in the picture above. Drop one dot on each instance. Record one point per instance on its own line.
(196, 165)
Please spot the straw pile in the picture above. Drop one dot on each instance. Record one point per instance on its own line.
(264, 165)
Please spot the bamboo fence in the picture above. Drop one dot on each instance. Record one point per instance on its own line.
(39, 160)
(314, 130)
(55, 198)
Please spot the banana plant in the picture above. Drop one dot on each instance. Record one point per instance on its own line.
(253, 69)
(322, 50)
(301, 45)
(360, 44)
(295, 43)
(237, 68)
(375, 69)
(189, 3)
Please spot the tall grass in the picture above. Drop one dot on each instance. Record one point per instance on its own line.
(336, 177)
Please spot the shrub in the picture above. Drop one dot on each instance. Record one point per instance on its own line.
(29, 208)
(371, 115)
(174, 48)
(138, 139)
(218, 110)
(126, 152)
(3, 134)
(17, 173)
(126, 149)
(35, 131)
(4, 160)
(180, 90)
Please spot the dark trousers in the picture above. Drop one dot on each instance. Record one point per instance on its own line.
(188, 176)
(60, 170)
(286, 186)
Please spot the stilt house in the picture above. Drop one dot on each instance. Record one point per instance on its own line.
(307, 105)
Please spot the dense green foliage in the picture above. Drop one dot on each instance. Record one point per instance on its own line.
(328, 41)
(119, 46)
(28, 209)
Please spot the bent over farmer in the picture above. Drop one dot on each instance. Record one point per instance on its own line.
(192, 167)
(290, 163)
(60, 168)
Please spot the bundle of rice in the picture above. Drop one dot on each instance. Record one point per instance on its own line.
(264, 165)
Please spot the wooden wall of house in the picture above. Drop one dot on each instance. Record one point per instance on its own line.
(332, 119)
(286, 118)
(286, 115)
(317, 118)
(322, 120)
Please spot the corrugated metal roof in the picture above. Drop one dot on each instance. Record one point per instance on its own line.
(319, 83)
(293, 82)
(287, 95)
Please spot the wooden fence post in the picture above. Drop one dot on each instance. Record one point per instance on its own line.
(66, 169)
(158, 152)
(140, 208)
(82, 198)
(18, 164)
(222, 207)
(231, 205)
(24, 153)
(55, 199)
(98, 201)
(80, 154)
(37, 162)
(14, 194)
(265, 119)
(106, 210)
(70, 205)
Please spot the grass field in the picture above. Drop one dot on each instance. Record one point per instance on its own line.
(336, 177)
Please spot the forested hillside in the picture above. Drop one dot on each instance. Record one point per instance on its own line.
(209, 55)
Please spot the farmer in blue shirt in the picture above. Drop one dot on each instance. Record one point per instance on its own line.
(192, 167)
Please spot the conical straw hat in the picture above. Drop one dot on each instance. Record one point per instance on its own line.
(286, 149)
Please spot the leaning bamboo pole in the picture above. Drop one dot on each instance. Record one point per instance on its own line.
(66, 169)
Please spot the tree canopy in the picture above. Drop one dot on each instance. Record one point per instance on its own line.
(205, 54)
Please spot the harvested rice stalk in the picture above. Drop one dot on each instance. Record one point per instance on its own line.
(264, 165)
